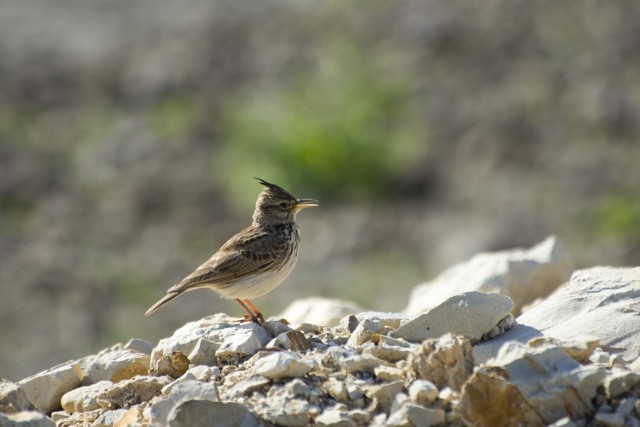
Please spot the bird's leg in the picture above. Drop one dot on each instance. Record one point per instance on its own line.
(255, 311)
(251, 315)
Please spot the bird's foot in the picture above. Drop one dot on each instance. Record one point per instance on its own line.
(252, 312)
(255, 319)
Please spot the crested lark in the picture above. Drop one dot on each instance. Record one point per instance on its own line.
(254, 261)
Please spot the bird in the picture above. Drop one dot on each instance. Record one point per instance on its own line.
(256, 260)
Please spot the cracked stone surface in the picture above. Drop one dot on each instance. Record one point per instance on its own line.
(364, 370)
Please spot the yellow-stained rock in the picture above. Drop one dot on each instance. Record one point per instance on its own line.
(489, 400)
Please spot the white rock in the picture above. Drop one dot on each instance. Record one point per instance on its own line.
(246, 386)
(354, 391)
(471, 315)
(109, 418)
(360, 416)
(487, 350)
(46, 388)
(390, 349)
(191, 389)
(13, 398)
(388, 373)
(309, 328)
(620, 381)
(379, 421)
(364, 330)
(204, 352)
(501, 327)
(552, 382)
(219, 329)
(80, 418)
(174, 365)
(600, 357)
(448, 395)
(601, 303)
(133, 391)
(364, 363)
(334, 418)
(579, 348)
(135, 417)
(138, 345)
(114, 366)
(291, 340)
(635, 365)
(389, 319)
(412, 415)
(248, 339)
(59, 415)
(399, 400)
(333, 355)
(85, 398)
(617, 361)
(488, 399)
(282, 364)
(446, 362)
(385, 393)
(336, 389)
(178, 392)
(398, 418)
(26, 419)
(276, 327)
(385, 340)
(319, 311)
(298, 388)
(424, 417)
(564, 422)
(523, 275)
(206, 413)
(423, 392)
(284, 411)
(203, 373)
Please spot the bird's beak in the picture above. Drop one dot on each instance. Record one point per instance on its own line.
(306, 203)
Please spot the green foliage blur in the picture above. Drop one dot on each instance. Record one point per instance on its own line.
(342, 130)
(619, 217)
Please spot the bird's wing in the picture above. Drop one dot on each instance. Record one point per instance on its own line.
(250, 251)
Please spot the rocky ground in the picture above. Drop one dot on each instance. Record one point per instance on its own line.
(130, 134)
(455, 356)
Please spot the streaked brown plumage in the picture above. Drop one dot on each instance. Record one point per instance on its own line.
(254, 261)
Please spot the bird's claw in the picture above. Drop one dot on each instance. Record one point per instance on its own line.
(258, 319)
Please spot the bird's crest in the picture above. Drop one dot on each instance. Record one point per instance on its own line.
(277, 190)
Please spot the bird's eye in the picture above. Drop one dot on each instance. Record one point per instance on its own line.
(283, 205)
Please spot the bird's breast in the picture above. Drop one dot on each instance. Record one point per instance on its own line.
(259, 284)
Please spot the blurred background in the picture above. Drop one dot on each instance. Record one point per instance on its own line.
(130, 133)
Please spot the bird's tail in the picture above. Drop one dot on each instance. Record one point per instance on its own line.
(165, 299)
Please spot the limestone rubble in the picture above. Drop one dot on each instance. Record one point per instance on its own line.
(370, 368)
(523, 275)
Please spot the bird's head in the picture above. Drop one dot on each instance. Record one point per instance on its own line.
(275, 205)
